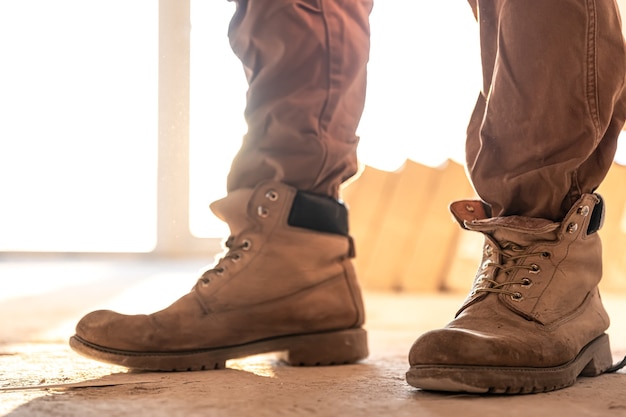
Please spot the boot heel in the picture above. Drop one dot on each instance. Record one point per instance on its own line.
(602, 358)
(333, 348)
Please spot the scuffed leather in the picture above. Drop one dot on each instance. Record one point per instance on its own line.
(558, 314)
(289, 281)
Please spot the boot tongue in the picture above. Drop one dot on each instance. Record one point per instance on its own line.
(233, 209)
(523, 231)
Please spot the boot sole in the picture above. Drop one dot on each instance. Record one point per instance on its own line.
(316, 349)
(593, 360)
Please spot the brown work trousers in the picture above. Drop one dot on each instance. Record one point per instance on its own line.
(544, 129)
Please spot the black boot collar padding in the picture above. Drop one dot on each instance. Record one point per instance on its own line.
(320, 213)
(597, 216)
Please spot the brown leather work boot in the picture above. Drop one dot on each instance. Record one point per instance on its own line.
(534, 320)
(285, 284)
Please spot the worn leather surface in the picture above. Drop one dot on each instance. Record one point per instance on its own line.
(284, 281)
(544, 322)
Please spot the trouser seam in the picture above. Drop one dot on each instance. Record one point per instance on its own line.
(592, 81)
(575, 190)
(322, 122)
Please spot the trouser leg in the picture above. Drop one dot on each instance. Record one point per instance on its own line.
(305, 61)
(544, 131)
(285, 282)
(545, 126)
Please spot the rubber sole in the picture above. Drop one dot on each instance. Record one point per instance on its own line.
(593, 360)
(316, 349)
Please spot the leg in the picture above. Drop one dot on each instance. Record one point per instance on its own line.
(286, 282)
(545, 127)
(540, 141)
(306, 67)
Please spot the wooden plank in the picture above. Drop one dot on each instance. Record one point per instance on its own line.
(367, 199)
(613, 232)
(466, 258)
(396, 228)
(406, 240)
(435, 243)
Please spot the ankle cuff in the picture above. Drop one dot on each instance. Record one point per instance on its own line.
(317, 212)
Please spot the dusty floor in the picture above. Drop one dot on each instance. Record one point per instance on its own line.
(40, 376)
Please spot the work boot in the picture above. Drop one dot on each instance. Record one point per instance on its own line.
(534, 320)
(286, 284)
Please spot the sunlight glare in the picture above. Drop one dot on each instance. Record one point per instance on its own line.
(78, 125)
(424, 77)
(420, 94)
(218, 89)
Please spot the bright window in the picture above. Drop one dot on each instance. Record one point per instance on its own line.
(78, 125)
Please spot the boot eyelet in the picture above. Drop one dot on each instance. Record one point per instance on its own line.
(584, 210)
(246, 244)
(546, 255)
(205, 282)
(262, 212)
(236, 257)
(219, 271)
(486, 264)
(572, 228)
(271, 195)
(517, 296)
(488, 250)
(534, 269)
(526, 282)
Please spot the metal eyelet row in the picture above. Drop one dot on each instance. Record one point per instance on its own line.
(526, 283)
(262, 211)
(245, 246)
(583, 211)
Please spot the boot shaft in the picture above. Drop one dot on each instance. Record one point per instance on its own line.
(283, 241)
(540, 269)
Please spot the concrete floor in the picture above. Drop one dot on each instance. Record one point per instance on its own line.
(40, 376)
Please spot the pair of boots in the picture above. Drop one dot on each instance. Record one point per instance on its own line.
(533, 321)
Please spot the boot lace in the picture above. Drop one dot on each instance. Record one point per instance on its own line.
(616, 367)
(233, 255)
(511, 254)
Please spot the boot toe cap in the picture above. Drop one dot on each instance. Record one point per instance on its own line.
(104, 328)
(462, 347)
(448, 347)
